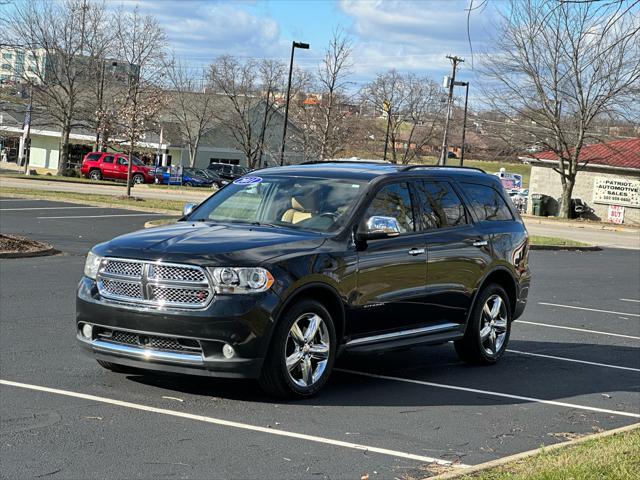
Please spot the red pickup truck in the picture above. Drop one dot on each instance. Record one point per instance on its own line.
(113, 166)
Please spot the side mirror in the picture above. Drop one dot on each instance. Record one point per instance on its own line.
(377, 227)
(188, 208)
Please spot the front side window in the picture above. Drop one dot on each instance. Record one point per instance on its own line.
(440, 205)
(393, 201)
(305, 203)
(487, 203)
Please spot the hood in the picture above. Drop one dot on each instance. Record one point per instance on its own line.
(210, 244)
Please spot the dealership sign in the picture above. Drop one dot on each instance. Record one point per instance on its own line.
(616, 191)
(616, 214)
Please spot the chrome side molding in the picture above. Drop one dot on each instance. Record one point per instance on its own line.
(402, 334)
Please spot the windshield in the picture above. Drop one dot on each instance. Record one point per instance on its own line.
(318, 204)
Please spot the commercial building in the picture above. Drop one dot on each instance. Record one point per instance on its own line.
(608, 180)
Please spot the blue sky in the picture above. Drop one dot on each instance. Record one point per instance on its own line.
(406, 35)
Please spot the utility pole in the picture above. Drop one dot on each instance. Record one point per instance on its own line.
(454, 65)
(25, 143)
(386, 137)
(464, 122)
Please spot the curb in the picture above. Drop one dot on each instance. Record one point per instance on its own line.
(163, 221)
(589, 248)
(39, 253)
(532, 219)
(531, 453)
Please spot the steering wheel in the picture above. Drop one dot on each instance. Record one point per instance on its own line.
(333, 216)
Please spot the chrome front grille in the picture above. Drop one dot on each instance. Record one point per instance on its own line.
(154, 284)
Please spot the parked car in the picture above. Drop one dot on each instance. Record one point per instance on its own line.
(190, 177)
(226, 171)
(282, 271)
(217, 180)
(113, 166)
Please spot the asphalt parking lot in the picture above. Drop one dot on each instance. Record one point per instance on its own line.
(573, 368)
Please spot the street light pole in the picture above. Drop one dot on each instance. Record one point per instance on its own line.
(444, 152)
(294, 45)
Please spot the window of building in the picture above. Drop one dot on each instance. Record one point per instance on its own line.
(441, 206)
(487, 203)
(7, 56)
(6, 66)
(393, 201)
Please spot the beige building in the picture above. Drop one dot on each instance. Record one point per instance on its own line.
(608, 182)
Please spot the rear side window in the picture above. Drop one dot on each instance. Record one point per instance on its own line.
(107, 159)
(93, 156)
(393, 201)
(486, 202)
(440, 205)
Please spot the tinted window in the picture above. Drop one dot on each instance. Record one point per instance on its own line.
(393, 201)
(93, 156)
(486, 202)
(441, 206)
(122, 161)
(107, 159)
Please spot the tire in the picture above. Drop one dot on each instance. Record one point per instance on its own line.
(487, 335)
(276, 378)
(137, 179)
(188, 184)
(95, 174)
(116, 368)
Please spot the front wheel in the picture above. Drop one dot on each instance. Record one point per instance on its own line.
(302, 352)
(487, 334)
(137, 179)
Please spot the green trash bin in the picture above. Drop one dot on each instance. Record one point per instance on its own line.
(537, 204)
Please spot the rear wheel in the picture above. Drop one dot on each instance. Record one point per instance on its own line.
(95, 174)
(302, 352)
(487, 334)
(116, 368)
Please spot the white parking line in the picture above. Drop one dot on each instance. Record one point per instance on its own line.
(242, 426)
(103, 216)
(629, 300)
(43, 208)
(589, 309)
(573, 360)
(579, 330)
(491, 393)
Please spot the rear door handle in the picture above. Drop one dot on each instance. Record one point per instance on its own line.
(416, 251)
(480, 243)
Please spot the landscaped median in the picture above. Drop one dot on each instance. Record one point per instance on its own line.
(152, 205)
(611, 455)
(539, 242)
(17, 246)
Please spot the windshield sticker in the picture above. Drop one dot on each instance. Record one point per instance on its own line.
(247, 180)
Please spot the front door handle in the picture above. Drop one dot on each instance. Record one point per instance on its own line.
(416, 251)
(480, 243)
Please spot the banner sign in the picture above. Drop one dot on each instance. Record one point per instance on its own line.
(616, 214)
(616, 191)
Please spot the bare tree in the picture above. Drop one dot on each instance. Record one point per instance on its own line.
(560, 67)
(411, 107)
(64, 40)
(250, 91)
(141, 43)
(191, 105)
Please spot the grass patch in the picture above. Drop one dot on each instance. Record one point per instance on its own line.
(98, 200)
(555, 241)
(615, 458)
(56, 178)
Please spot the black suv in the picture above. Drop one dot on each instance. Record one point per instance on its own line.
(227, 171)
(278, 273)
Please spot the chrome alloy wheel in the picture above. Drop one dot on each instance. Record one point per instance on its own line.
(493, 330)
(307, 349)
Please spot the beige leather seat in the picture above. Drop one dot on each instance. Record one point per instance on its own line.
(296, 213)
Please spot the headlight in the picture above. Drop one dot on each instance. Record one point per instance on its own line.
(92, 265)
(241, 279)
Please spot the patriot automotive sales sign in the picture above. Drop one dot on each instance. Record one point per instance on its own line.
(616, 191)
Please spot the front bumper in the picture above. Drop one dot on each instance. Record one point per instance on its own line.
(245, 322)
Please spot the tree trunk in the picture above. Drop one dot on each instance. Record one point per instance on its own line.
(565, 200)
(63, 157)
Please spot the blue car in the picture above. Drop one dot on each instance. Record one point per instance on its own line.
(190, 178)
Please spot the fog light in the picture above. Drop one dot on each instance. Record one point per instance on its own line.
(228, 351)
(87, 331)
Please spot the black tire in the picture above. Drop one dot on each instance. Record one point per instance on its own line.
(275, 379)
(137, 179)
(188, 184)
(95, 174)
(116, 368)
(472, 348)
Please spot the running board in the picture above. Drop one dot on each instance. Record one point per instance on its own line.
(414, 335)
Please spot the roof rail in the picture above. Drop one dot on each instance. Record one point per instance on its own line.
(412, 167)
(347, 160)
